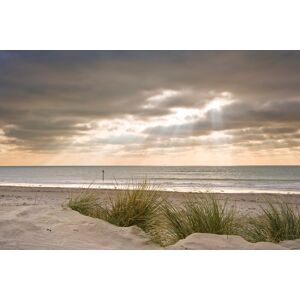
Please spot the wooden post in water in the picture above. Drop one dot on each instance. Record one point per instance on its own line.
(102, 175)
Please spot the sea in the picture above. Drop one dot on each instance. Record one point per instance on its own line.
(221, 179)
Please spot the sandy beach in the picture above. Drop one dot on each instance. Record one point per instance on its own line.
(37, 218)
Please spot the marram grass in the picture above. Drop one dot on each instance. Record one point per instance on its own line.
(200, 213)
(138, 205)
(85, 202)
(277, 222)
(145, 206)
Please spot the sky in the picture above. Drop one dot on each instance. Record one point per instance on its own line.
(149, 107)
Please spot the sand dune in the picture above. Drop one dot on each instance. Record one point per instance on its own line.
(36, 218)
(50, 227)
(207, 241)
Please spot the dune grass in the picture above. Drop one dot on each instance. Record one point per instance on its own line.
(277, 222)
(144, 205)
(85, 202)
(200, 213)
(139, 204)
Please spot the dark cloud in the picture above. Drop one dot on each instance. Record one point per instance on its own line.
(47, 97)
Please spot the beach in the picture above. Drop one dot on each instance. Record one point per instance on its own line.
(38, 218)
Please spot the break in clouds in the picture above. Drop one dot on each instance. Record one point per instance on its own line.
(133, 102)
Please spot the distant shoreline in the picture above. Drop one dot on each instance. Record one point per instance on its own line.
(98, 166)
(108, 188)
(246, 203)
(224, 180)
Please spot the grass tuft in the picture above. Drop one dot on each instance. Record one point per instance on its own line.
(277, 222)
(85, 202)
(144, 205)
(203, 214)
(138, 205)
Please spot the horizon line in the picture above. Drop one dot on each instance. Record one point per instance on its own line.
(242, 165)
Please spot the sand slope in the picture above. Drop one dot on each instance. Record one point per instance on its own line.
(46, 227)
(56, 227)
(207, 241)
(293, 245)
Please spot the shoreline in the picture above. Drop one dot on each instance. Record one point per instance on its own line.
(52, 188)
(171, 190)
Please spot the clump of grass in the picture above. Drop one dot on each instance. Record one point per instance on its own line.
(139, 204)
(277, 222)
(203, 214)
(144, 205)
(85, 202)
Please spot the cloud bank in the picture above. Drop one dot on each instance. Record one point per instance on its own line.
(135, 102)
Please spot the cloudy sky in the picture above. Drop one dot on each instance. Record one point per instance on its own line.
(149, 107)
